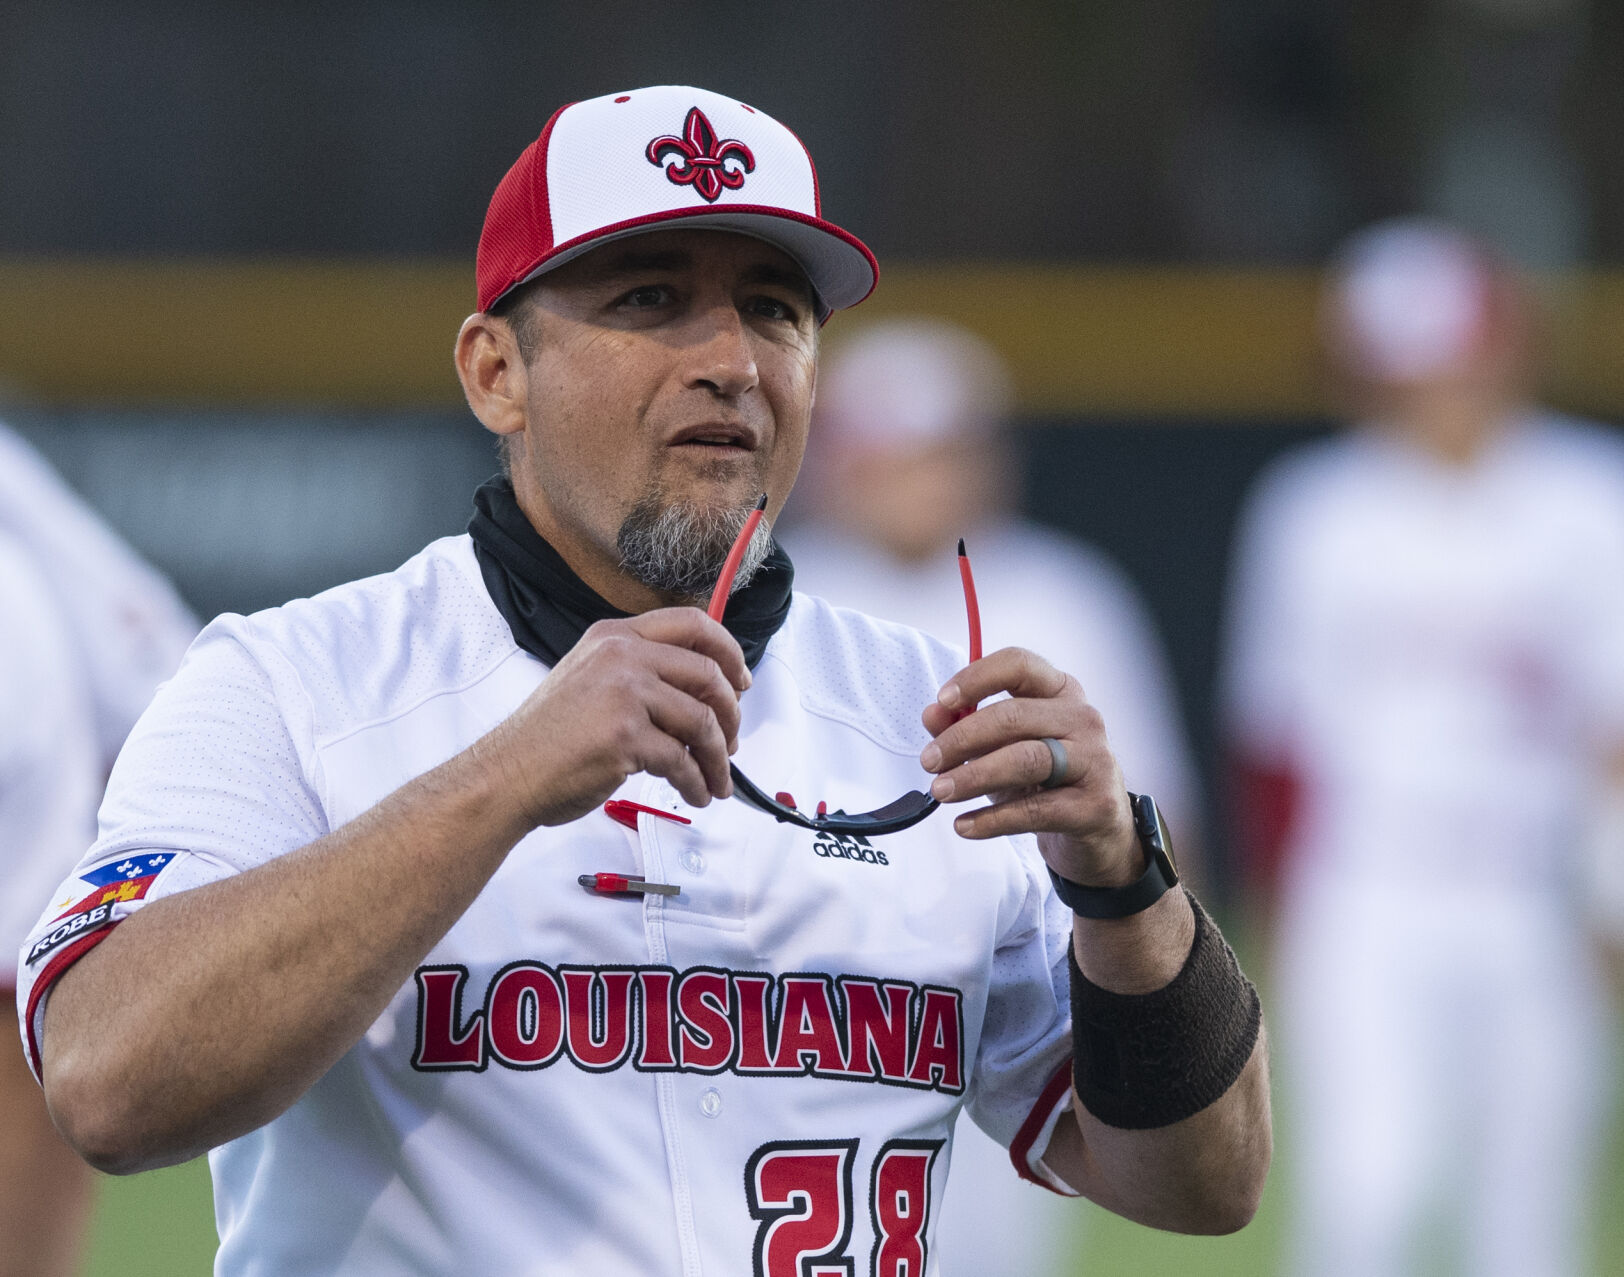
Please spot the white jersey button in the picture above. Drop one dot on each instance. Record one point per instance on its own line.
(710, 1103)
(693, 861)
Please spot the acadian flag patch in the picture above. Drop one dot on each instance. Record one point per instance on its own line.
(115, 883)
(119, 881)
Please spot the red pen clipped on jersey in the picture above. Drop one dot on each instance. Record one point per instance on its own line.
(612, 884)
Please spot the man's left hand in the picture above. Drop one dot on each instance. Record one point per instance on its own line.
(1084, 824)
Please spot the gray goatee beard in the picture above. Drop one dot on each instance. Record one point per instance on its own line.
(679, 549)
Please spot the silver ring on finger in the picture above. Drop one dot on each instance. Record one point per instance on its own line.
(1057, 764)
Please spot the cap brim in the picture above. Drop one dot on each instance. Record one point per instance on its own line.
(839, 266)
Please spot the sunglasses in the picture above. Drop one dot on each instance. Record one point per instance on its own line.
(904, 812)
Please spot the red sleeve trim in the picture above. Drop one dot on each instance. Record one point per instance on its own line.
(1020, 1152)
(52, 973)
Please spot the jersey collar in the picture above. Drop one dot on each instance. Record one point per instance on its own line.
(548, 607)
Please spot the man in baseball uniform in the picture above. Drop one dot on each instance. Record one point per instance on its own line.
(909, 450)
(49, 783)
(509, 914)
(1426, 692)
(87, 631)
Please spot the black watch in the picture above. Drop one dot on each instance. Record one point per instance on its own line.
(1160, 875)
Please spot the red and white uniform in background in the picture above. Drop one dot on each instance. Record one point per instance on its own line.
(1433, 653)
(87, 632)
(764, 1067)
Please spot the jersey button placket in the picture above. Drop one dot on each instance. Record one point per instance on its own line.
(658, 794)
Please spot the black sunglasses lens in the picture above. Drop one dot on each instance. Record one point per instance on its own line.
(912, 806)
(908, 810)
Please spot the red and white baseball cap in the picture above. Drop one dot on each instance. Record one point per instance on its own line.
(661, 157)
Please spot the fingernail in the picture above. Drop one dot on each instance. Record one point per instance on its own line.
(962, 824)
(949, 695)
(931, 758)
(942, 788)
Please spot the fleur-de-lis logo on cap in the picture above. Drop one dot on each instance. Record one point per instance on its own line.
(703, 162)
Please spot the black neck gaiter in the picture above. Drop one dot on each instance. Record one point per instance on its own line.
(548, 607)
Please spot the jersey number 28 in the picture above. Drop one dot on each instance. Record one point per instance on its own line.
(801, 1191)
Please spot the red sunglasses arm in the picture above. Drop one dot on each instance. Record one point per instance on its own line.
(735, 556)
(972, 609)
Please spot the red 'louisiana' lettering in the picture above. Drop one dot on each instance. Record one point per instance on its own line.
(613, 1011)
(751, 995)
(939, 1045)
(807, 1027)
(524, 1015)
(705, 1031)
(441, 1044)
(877, 1029)
(702, 1020)
(655, 1051)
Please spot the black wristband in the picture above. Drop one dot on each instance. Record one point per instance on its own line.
(1147, 1060)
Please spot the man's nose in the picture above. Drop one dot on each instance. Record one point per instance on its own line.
(722, 358)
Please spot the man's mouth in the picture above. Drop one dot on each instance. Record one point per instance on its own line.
(726, 438)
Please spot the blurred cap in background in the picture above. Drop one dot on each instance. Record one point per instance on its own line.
(907, 449)
(905, 383)
(1414, 300)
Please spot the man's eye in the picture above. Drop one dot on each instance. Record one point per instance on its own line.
(773, 308)
(647, 295)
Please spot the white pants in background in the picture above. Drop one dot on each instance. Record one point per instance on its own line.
(1443, 1049)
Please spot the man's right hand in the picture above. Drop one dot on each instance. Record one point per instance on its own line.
(656, 693)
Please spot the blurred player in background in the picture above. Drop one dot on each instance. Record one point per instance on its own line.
(907, 454)
(1425, 694)
(87, 632)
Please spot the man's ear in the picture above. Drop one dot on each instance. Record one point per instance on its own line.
(492, 373)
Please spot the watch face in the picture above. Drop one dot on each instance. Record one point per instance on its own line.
(1153, 831)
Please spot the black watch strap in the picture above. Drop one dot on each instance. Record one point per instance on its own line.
(1161, 873)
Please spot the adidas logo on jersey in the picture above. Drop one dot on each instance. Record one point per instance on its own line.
(847, 847)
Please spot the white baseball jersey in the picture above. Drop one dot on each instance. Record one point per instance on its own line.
(1438, 650)
(126, 625)
(50, 769)
(761, 1069)
(1437, 653)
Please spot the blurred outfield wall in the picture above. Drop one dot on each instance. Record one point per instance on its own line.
(1153, 341)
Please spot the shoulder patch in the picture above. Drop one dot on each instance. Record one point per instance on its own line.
(118, 882)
